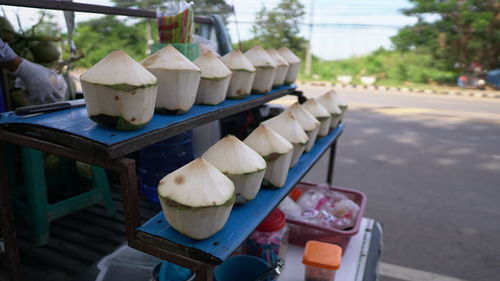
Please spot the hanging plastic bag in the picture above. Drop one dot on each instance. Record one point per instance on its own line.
(175, 21)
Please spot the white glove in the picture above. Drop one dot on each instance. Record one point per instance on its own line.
(38, 82)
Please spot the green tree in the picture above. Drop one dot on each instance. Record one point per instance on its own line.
(98, 37)
(279, 26)
(454, 32)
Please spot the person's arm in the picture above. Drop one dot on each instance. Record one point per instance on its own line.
(34, 76)
(8, 58)
(12, 64)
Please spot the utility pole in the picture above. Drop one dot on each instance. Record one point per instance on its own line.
(309, 45)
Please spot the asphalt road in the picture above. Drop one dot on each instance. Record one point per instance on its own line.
(430, 166)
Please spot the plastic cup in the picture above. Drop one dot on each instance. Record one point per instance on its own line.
(241, 268)
(165, 271)
(321, 261)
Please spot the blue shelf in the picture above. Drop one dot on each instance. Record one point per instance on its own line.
(75, 121)
(242, 221)
(73, 128)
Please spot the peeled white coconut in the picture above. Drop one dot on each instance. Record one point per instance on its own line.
(178, 80)
(288, 127)
(265, 70)
(215, 77)
(196, 199)
(244, 166)
(293, 62)
(341, 103)
(243, 74)
(281, 67)
(119, 92)
(307, 121)
(320, 112)
(276, 150)
(328, 101)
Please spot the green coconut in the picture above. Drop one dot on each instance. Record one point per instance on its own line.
(7, 32)
(19, 98)
(45, 51)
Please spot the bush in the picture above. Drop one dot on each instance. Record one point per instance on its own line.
(394, 66)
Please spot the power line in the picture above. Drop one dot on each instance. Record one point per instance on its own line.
(327, 24)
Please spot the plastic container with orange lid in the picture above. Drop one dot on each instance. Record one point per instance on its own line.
(270, 240)
(321, 260)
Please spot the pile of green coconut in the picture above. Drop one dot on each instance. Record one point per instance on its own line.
(41, 49)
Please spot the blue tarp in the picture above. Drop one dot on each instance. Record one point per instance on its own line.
(493, 77)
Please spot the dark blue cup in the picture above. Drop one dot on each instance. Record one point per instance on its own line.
(241, 268)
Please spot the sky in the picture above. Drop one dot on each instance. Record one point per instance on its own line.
(341, 28)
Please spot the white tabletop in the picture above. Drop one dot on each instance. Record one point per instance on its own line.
(352, 264)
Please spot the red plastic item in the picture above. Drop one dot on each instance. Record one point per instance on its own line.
(273, 222)
(301, 232)
(295, 194)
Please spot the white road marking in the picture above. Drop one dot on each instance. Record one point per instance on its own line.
(410, 274)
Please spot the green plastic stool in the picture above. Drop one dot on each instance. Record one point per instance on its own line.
(36, 207)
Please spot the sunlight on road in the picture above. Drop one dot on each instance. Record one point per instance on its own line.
(411, 274)
(387, 107)
(459, 115)
(403, 110)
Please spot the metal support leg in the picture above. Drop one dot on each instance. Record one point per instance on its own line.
(128, 182)
(205, 273)
(7, 222)
(331, 163)
(300, 96)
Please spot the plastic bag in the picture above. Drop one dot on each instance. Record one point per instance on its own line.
(290, 208)
(206, 45)
(322, 206)
(175, 21)
(310, 199)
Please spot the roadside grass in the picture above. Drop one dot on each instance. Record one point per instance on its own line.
(391, 68)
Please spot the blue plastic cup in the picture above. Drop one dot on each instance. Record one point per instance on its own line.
(241, 268)
(165, 271)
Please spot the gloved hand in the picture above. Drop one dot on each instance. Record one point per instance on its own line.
(37, 80)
